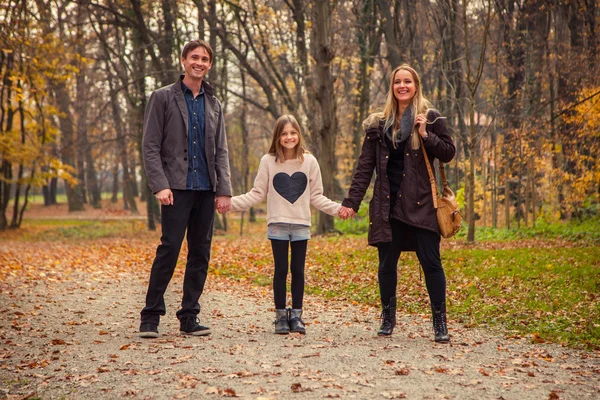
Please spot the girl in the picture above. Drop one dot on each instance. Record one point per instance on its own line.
(402, 214)
(290, 179)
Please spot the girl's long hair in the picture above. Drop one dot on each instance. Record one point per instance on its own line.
(276, 149)
(418, 105)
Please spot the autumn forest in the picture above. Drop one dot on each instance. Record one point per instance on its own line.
(517, 81)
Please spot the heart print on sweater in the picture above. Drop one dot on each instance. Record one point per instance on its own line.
(290, 187)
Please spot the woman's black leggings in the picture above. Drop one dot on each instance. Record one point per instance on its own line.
(428, 253)
(280, 256)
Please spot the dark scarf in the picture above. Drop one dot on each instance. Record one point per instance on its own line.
(406, 127)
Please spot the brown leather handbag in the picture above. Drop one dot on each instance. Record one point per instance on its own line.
(448, 213)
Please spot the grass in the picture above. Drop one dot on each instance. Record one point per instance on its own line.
(61, 198)
(74, 229)
(551, 294)
(586, 231)
(550, 291)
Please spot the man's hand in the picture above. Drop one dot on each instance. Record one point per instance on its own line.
(223, 204)
(165, 197)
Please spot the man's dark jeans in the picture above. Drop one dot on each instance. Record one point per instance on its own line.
(194, 211)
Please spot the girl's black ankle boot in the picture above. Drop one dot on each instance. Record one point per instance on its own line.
(282, 326)
(296, 323)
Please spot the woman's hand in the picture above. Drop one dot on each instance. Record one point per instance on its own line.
(420, 124)
(346, 212)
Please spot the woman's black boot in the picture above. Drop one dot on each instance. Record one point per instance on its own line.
(282, 326)
(388, 317)
(440, 328)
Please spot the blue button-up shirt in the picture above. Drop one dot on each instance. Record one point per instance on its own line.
(197, 177)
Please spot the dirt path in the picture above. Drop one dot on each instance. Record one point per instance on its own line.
(77, 338)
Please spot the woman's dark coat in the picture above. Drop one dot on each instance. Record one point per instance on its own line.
(414, 205)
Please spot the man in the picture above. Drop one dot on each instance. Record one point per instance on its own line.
(186, 160)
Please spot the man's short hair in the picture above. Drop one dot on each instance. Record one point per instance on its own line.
(194, 44)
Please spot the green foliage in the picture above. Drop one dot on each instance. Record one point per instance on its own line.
(77, 230)
(357, 225)
(526, 288)
(526, 285)
(460, 197)
(587, 231)
(551, 293)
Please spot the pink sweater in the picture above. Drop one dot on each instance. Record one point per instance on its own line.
(290, 188)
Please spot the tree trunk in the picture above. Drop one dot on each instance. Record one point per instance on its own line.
(15, 222)
(393, 38)
(85, 164)
(494, 182)
(5, 188)
(532, 190)
(49, 192)
(68, 142)
(506, 196)
(323, 53)
(92, 178)
(218, 225)
(369, 39)
(519, 199)
(6, 125)
(128, 199)
(115, 181)
(245, 144)
(485, 178)
(471, 177)
(63, 103)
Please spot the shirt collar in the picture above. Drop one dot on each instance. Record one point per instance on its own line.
(185, 89)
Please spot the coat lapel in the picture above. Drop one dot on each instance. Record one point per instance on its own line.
(181, 104)
(209, 114)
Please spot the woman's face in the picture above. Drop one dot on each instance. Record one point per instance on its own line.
(289, 137)
(404, 87)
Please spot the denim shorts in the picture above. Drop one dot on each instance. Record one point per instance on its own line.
(291, 232)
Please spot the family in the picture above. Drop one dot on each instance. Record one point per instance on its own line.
(187, 165)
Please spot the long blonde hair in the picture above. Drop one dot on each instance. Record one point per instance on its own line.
(276, 149)
(418, 105)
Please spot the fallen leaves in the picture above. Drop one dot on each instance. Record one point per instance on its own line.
(59, 351)
(221, 392)
(394, 395)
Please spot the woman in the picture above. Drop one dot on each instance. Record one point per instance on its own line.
(402, 215)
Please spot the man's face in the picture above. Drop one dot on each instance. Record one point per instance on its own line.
(197, 64)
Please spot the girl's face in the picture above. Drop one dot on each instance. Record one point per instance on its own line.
(404, 87)
(289, 137)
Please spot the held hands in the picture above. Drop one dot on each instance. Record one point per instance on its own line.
(346, 212)
(223, 204)
(165, 197)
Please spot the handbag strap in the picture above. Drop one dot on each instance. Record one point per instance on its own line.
(431, 176)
